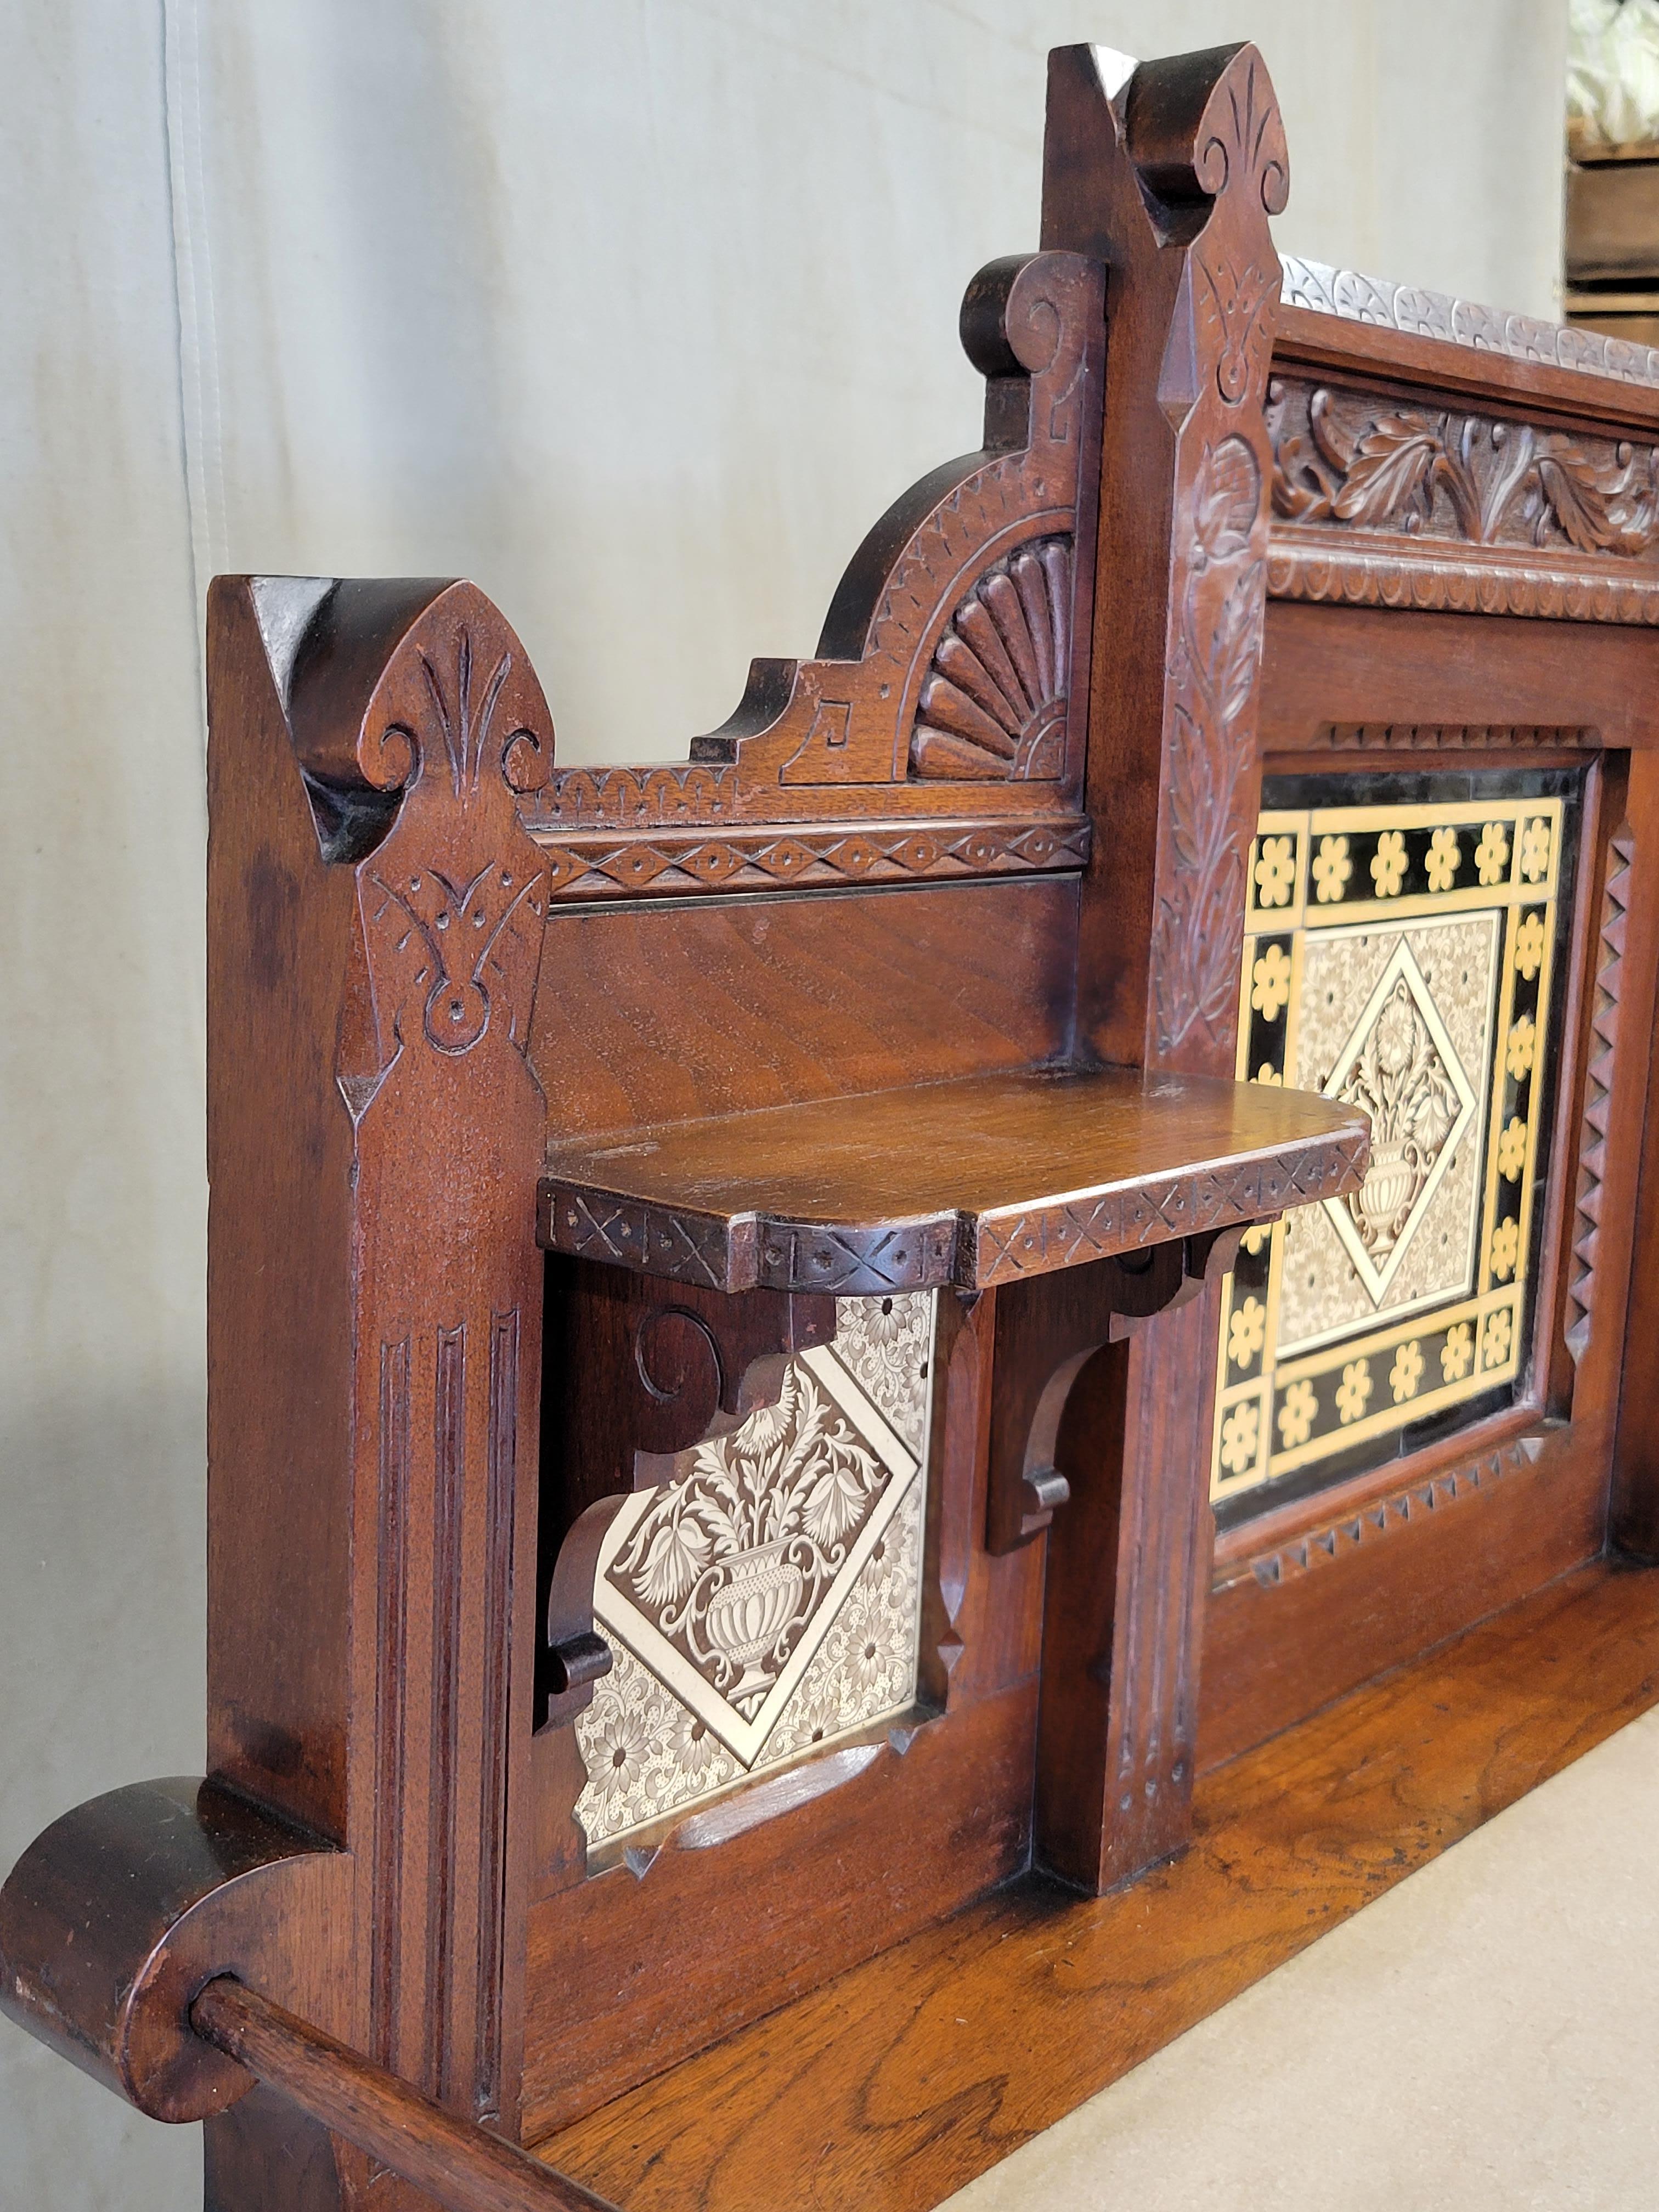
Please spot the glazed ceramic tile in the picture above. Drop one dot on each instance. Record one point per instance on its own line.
(1399, 955)
(767, 1599)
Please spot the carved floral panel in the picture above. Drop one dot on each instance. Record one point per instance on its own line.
(767, 1600)
(1346, 460)
(1401, 943)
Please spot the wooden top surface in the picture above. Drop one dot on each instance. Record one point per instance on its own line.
(902, 2080)
(975, 1182)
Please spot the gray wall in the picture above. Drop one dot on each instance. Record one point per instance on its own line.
(636, 310)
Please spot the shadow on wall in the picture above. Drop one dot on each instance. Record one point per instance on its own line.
(102, 1606)
(102, 1581)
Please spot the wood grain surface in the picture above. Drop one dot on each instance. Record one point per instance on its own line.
(902, 2081)
(970, 1183)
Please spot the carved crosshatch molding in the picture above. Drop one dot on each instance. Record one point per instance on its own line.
(766, 1598)
(1398, 954)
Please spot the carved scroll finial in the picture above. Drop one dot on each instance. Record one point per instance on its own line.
(1171, 177)
(951, 649)
(419, 724)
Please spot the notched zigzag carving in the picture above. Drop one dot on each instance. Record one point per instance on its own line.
(1401, 1508)
(805, 854)
(1455, 736)
(1122, 1221)
(1598, 1093)
(751, 1251)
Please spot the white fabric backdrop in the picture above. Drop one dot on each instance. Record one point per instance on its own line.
(638, 312)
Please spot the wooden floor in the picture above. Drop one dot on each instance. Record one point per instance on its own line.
(902, 2080)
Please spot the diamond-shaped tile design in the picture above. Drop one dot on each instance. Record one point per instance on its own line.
(766, 1600)
(1399, 955)
(1401, 1066)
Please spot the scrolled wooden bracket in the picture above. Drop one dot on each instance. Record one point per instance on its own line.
(116, 1914)
(1047, 1331)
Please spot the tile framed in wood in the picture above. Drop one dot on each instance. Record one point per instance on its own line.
(1403, 942)
(766, 1600)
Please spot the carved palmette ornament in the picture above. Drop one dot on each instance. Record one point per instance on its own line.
(994, 702)
(950, 647)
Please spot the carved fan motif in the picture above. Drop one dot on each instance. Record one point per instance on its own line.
(993, 704)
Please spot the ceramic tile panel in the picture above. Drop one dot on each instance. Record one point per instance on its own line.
(1401, 946)
(768, 1599)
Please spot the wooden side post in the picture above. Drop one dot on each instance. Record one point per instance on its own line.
(1169, 174)
(375, 924)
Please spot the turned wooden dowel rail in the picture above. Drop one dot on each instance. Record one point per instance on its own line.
(465, 2167)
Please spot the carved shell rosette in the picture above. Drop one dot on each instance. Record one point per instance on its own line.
(993, 704)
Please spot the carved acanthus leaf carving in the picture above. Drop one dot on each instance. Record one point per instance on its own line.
(1443, 474)
(1211, 747)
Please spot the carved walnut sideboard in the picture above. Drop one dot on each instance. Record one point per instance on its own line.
(809, 1346)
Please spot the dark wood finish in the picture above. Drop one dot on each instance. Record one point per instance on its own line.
(113, 1918)
(675, 1013)
(625, 1975)
(902, 2081)
(1335, 318)
(923, 971)
(1492, 685)
(1171, 182)
(465, 2168)
(1347, 1592)
(1063, 1167)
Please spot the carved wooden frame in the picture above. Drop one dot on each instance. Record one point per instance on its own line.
(1028, 752)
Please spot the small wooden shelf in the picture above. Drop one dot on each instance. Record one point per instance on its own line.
(973, 1183)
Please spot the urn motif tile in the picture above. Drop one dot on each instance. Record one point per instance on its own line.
(767, 1599)
(1401, 942)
